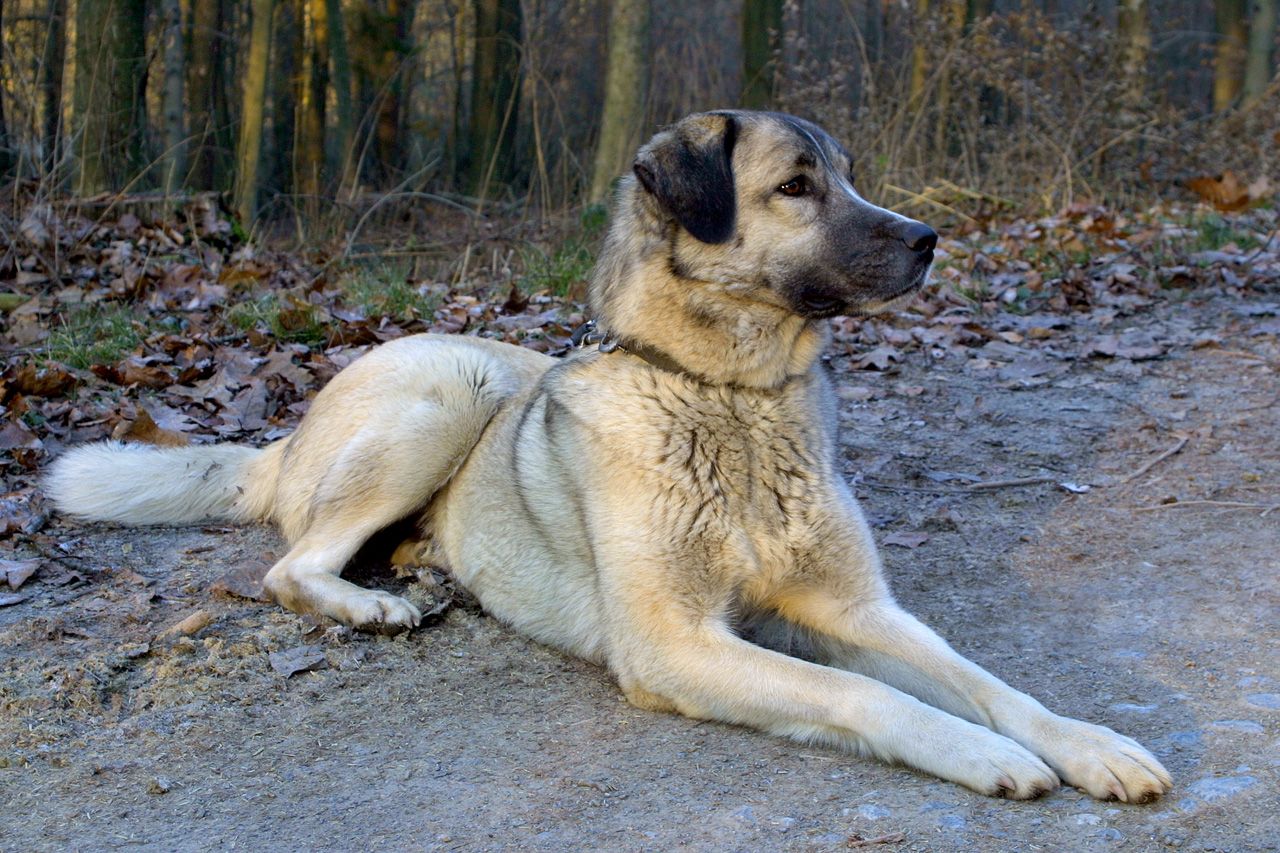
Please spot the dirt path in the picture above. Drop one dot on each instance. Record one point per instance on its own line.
(1158, 620)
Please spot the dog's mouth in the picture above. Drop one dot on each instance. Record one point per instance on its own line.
(820, 303)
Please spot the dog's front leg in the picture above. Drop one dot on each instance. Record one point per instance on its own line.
(886, 642)
(707, 672)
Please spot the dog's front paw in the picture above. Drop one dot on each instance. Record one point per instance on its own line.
(380, 612)
(1104, 764)
(1002, 768)
(979, 759)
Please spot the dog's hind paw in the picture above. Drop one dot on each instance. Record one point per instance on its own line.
(380, 612)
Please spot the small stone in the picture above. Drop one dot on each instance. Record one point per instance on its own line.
(1252, 727)
(784, 824)
(1211, 788)
(1132, 708)
(160, 785)
(746, 813)
(1107, 833)
(871, 811)
(1087, 819)
(951, 821)
(1264, 700)
(1184, 739)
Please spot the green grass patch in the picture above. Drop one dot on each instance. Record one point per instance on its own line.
(95, 334)
(1213, 231)
(568, 264)
(383, 291)
(296, 323)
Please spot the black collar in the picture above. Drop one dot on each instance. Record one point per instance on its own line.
(589, 333)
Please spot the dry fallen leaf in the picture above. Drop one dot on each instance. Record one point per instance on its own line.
(299, 659)
(18, 572)
(1225, 192)
(243, 581)
(144, 429)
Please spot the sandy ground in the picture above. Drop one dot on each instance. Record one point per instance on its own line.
(1110, 604)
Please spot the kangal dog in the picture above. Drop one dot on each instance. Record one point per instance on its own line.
(663, 503)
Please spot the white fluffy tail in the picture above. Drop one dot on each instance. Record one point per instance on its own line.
(142, 484)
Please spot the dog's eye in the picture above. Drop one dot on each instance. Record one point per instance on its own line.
(797, 186)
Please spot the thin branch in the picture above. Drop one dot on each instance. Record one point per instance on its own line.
(1181, 443)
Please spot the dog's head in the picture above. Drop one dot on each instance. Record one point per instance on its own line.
(765, 203)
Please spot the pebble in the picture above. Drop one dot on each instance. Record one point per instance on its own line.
(160, 785)
(1184, 738)
(873, 812)
(951, 821)
(1252, 681)
(1087, 819)
(746, 813)
(1252, 727)
(1132, 708)
(783, 824)
(1264, 700)
(1108, 833)
(1216, 788)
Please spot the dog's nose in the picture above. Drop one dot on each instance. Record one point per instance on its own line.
(917, 236)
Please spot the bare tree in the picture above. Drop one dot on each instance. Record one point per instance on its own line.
(1134, 25)
(249, 150)
(173, 158)
(1229, 53)
(495, 92)
(206, 92)
(344, 143)
(6, 157)
(1262, 33)
(919, 53)
(52, 59)
(109, 106)
(761, 29)
(626, 88)
(312, 99)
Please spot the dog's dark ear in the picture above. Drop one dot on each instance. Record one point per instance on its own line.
(689, 170)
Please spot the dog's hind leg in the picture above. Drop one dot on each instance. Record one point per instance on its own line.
(370, 457)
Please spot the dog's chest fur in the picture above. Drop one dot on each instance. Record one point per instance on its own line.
(730, 475)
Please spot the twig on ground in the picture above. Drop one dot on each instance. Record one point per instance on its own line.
(1005, 484)
(1266, 508)
(1181, 443)
(890, 838)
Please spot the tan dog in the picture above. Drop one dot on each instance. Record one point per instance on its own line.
(641, 503)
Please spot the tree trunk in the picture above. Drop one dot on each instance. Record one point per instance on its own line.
(344, 143)
(1262, 33)
(205, 82)
(6, 157)
(1134, 25)
(109, 106)
(626, 89)
(313, 95)
(1228, 61)
(173, 160)
(761, 31)
(254, 103)
(495, 93)
(978, 9)
(52, 59)
(954, 15)
(286, 66)
(919, 53)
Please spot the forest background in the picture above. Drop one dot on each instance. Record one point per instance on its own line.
(312, 112)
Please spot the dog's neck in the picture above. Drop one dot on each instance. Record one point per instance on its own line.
(705, 330)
